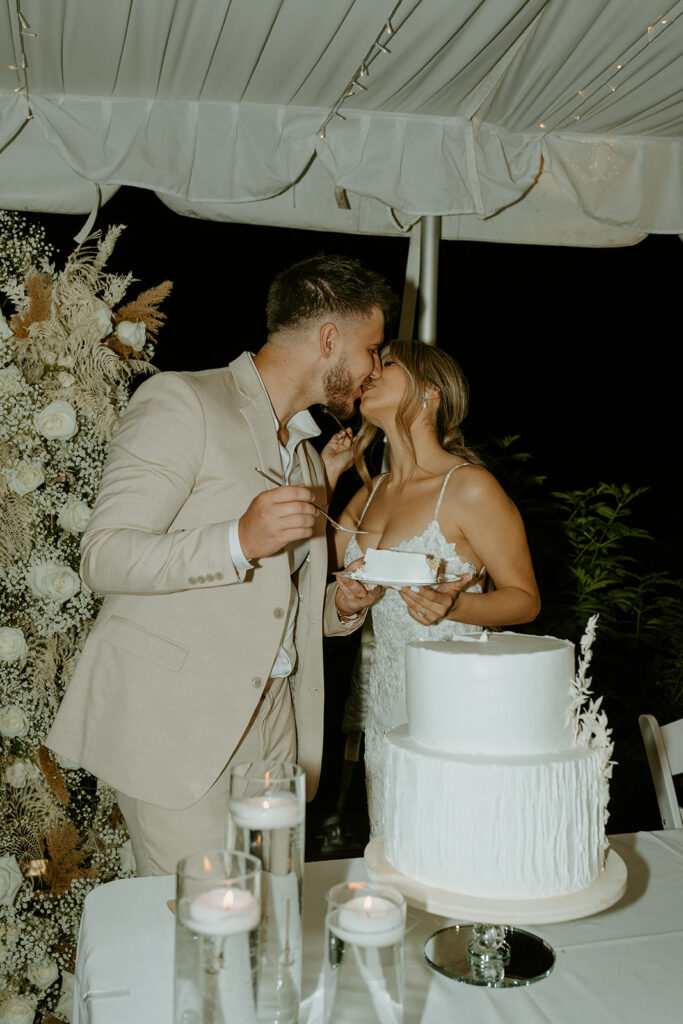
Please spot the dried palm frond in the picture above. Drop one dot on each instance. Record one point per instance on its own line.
(106, 246)
(16, 529)
(65, 858)
(39, 298)
(53, 775)
(96, 408)
(116, 287)
(146, 308)
(22, 824)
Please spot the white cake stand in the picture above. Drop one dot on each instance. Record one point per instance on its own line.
(496, 954)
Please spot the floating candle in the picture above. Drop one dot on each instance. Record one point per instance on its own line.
(221, 912)
(368, 921)
(274, 810)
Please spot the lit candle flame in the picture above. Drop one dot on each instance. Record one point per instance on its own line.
(228, 899)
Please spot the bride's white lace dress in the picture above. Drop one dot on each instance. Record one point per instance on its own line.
(393, 628)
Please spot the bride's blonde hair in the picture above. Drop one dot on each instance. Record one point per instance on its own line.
(425, 366)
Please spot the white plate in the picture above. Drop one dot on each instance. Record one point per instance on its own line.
(445, 577)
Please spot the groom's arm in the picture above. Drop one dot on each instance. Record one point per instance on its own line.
(129, 546)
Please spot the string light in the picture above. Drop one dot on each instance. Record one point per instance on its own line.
(362, 71)
(20, 65)
(25, 27)
(591, 90)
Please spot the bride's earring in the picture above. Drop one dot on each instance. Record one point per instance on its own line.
(425, 397)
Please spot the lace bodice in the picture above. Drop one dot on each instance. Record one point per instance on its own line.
(393, 628)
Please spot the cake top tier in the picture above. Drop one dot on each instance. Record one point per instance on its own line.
(495, 694)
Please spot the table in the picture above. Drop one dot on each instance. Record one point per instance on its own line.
(623, 965)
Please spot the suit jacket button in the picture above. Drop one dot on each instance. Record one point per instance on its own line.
(209, 577)
(279, 613)
(256, 681)
(218, 576)
(201, 579)
(192, 580)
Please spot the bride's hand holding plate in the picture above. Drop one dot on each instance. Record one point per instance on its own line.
(428, 605)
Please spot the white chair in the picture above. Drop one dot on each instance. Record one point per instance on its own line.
(664, 749)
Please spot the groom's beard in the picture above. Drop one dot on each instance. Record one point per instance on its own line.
(339, 389)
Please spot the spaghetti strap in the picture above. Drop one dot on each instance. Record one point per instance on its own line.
(443, 488)
(372, 495)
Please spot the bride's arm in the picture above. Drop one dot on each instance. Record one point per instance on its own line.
(338, 539)
(493, 529)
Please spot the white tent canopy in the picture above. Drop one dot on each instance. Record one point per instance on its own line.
(553, 121)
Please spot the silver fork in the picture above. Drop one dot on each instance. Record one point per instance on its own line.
(329, 518)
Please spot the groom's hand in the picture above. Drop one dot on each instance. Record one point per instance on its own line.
(274, 519)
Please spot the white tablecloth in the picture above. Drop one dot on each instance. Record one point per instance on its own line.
(623, 965)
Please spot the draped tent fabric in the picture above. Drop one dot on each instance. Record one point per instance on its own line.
(214, 102)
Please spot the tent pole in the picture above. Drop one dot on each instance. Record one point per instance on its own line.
(430, 236)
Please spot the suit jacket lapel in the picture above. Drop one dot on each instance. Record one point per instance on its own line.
(258, 413)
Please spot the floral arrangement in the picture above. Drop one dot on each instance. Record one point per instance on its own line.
(589, 720)
(69, 349)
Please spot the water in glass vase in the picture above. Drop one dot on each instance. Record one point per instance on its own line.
(281, 853)
(362, 983)
(215, 977)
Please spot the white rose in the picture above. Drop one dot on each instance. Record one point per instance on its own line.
(5, 329)
(74, 516)
(132, 334)
(42, 975)
(65, 1006)
(57, 421)
(67, 360)
(53, 581)
(65, 379)
(12, 644)
(19, 773)
(13, 721)
(11, 378)
(10, 880)
(126, 856)
(101, 318)
(50, 357)
(18, 1010)
(26, 477)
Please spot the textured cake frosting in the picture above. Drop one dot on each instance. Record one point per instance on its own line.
(487, 792)
(398, 566)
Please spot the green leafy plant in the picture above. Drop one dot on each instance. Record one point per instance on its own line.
(592, 556)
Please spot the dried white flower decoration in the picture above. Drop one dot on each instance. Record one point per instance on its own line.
(64, 383)
(590, 721)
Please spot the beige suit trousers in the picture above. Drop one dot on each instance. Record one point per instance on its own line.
(160, 837)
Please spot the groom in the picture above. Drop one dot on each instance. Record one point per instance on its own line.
(211, 631)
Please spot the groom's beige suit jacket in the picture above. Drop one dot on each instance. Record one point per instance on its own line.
(176, 662)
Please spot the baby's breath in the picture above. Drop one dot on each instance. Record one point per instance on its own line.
(63, 834)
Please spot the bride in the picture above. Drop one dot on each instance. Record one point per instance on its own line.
(439, 499)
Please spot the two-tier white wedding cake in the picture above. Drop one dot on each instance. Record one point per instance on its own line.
(497, 786)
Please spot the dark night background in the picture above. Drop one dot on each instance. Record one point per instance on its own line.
(576, 350)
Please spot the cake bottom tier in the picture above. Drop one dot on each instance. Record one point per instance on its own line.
(506, 828)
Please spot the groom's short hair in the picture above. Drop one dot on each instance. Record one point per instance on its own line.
(326, 286)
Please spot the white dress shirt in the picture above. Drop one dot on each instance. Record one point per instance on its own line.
(300, 427)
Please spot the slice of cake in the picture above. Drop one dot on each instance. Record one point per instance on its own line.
(398, 566)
